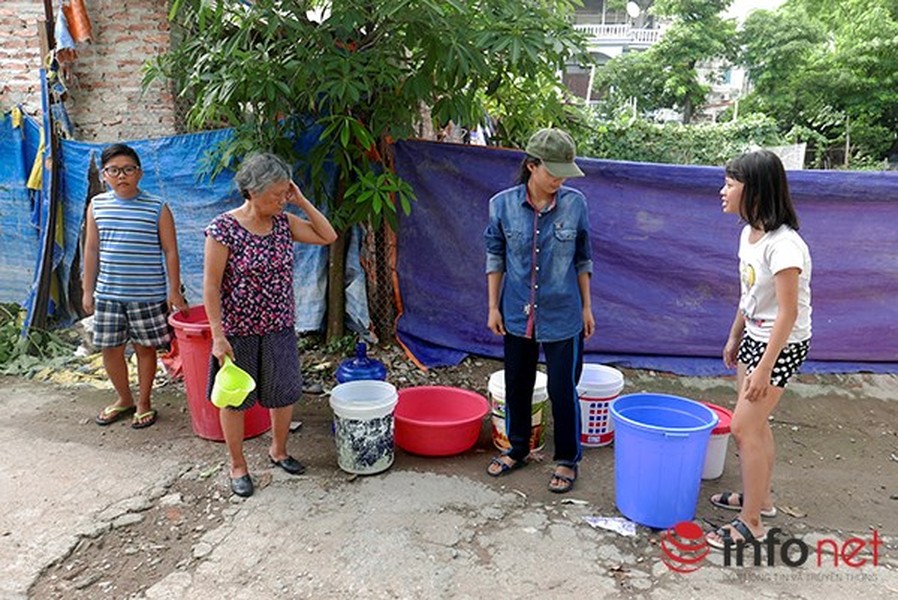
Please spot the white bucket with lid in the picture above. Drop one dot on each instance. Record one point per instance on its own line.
(598, 387)
(363, 425)
(538, 411)
(716, 455)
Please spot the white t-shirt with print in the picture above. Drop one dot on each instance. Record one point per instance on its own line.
(777, 250)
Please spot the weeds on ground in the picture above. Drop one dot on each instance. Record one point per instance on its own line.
(343, 346)
(27, 354)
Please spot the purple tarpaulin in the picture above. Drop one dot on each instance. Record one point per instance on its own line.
(665, 284)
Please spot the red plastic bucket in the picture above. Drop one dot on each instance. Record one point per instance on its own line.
(195, 345)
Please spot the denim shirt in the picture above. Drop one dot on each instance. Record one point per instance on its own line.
(542, 254)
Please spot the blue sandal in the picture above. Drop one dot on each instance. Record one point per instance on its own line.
(504, 467)
(568, 482)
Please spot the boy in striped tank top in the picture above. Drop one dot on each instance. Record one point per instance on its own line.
(132, 278)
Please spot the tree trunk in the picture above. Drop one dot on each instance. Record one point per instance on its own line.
(687, 111)
(336, 277)
(383, 297)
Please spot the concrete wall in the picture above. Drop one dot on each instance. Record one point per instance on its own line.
(105, 100)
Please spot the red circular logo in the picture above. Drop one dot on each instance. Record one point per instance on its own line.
(684, 547)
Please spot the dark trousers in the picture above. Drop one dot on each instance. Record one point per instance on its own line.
(564, 361)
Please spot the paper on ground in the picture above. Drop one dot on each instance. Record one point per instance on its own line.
(616, 524)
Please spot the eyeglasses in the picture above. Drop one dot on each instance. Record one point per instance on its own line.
(116, 171)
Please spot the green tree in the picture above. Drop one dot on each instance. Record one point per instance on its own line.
(829, 67)
(362, 76)
(640, 140)
(665, 75)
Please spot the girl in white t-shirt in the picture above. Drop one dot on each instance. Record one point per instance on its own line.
(771, 333)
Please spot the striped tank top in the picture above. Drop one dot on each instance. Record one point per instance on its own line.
(132, 268)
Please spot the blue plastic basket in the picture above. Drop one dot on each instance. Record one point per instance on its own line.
(659, 451)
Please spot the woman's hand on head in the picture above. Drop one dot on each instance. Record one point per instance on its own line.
(296, 197)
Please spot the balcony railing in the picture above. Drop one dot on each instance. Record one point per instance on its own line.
(618, 33)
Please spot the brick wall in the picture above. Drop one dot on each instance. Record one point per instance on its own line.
(105, 100)
(19, 53)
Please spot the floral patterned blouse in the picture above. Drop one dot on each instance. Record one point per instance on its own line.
(257, 285)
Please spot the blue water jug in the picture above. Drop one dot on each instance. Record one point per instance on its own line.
(361, 367)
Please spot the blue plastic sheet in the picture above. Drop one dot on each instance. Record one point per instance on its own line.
(171, 170)
(19, 238)
(665, 285)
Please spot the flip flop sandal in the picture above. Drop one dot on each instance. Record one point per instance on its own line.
(144, 420)
(504, 467)
(113, 413)
(724, 502)
(726, 537)
(568, 481)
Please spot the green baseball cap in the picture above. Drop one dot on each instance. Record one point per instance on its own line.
(556, 149)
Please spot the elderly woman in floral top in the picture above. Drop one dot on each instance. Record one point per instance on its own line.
(248, 294)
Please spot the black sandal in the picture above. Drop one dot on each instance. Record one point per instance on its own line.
(724, 502)
(504, 467)
(566, 480)
(726, 537)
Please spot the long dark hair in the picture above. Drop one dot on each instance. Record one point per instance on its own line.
(766, 202)
(524, 176)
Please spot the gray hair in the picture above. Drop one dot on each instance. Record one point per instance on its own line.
(260, 170)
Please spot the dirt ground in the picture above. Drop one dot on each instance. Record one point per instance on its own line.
(837, 469)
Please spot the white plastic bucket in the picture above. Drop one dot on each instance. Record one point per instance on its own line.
(363, 425)
(539, 414)
(598, 387)
(716, 455)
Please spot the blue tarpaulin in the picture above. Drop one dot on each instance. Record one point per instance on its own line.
(665, 285)
(171, 170)
(664, 289)
(19, 238)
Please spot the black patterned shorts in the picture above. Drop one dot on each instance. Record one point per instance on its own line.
(272, 360)
(787, 363)
(144, 323)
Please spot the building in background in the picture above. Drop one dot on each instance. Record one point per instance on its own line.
(615, 27)
(612, 28)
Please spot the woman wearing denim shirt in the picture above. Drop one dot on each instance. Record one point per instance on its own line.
(538, 268)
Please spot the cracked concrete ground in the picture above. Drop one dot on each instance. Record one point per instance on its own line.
(117, 513)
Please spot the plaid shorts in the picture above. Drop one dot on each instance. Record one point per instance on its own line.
(144, 323)
(791, 357)
(272, 359)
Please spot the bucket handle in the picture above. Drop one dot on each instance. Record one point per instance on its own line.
(196, 333)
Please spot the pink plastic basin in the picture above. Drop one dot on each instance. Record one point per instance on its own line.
(438, 420)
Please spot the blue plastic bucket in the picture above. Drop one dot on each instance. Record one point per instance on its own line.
(659, 451)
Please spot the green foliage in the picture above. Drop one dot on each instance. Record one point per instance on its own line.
(11, 345)
(703, 144)
(362, 76)
(830, 67)
(512, 105)
(826, 71)
(25, 355)
(665, 75)
(342, 346)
